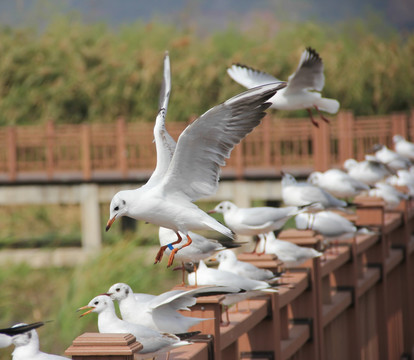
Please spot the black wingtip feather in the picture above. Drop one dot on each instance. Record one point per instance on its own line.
(187, 335)
(20, 329)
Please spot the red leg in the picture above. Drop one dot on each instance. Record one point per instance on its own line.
(162, 248)
(174, 251)
(322, 117)
(183, 274)
(311, 118)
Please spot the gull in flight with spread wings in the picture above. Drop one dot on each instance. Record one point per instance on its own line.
(303, 86)
(190, 169)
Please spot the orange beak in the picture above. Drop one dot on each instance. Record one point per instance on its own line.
(109, 223)
(87, 312)
(211, 211)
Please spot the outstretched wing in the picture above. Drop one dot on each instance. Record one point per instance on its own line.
(309, 74)
(164, 143)
(20, 329)
(249, 77)
(203, 146)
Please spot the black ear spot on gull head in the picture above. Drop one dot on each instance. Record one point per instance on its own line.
(123, 202)
(127, 291)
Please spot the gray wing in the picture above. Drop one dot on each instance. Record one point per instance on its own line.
(309, 74)
(205, 144)
(249, 77)
(164, 143)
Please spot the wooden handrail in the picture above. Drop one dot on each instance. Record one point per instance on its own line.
(357, 301)
(122, 150)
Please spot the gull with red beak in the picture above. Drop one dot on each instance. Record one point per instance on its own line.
(191, 169)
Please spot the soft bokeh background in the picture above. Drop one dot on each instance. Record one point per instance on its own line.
(92, 61)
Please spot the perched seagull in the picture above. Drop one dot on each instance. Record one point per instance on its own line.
(153, 342)
(327, 223)
(402, 178)
(191, 171)
(302, 193)
(210, 276)
(160, 312)
(403, 147)
(390, 158)
(288, 253)
(303, 86)
(255, 220)
(6, 335)
(228, 262)
(389, 194)
(369, 171)
(337, 183)
(27, 347)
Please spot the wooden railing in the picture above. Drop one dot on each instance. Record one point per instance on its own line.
(357, 302)
(122, 151)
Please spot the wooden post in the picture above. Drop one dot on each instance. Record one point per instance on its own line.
(321, 147)
(399, 124)
(345, 138)
(266, 141)
(121, 146)
(95, 346)
(50, 132)
(12, 152)
(86, 152)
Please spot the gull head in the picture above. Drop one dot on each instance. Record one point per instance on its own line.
(117, 208)
(119, 291)
(223, 207)
(226, 255)
(25, 338)
(397, 138)
(98, 304)
(349, 164)
(315, 178)
(288, 179)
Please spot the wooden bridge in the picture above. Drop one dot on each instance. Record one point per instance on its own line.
(121, 151)
(356, 303)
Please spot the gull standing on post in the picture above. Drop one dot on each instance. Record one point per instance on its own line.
(301, 193)
(303, 86)
(403, 147)
(337, 183)
(159, 312)
(193, 171)
(153, 342)
(390, 158)
(369, 171)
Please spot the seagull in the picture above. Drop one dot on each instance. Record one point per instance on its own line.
(192, 169)
(27, 347)
(160, 312)
(6, 334)
(200, 249)
(210, 276)
(389, 194)
(390, 158)
(303, 86)
(403, 147)
(369, 171)
(153, 342)
(255, 220)
(301, 193)
(402, 178)
(288, 253)
(228, 262)
(327, 223)
(338, 183)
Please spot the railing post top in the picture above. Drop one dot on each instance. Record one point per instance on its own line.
(96, 344)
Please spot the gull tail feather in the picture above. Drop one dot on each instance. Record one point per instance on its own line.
(329, 105)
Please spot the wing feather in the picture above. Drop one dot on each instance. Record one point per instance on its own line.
(249, 77)
(205, 144)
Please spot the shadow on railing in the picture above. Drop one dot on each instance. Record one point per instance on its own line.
(357, 302)
(120, 151)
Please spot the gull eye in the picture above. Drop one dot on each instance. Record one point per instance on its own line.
(96, 302)
(117, 289)
(116, 208)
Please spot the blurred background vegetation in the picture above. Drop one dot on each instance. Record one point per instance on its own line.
(73, 72)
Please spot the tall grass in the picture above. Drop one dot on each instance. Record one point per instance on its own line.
(74, 72)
